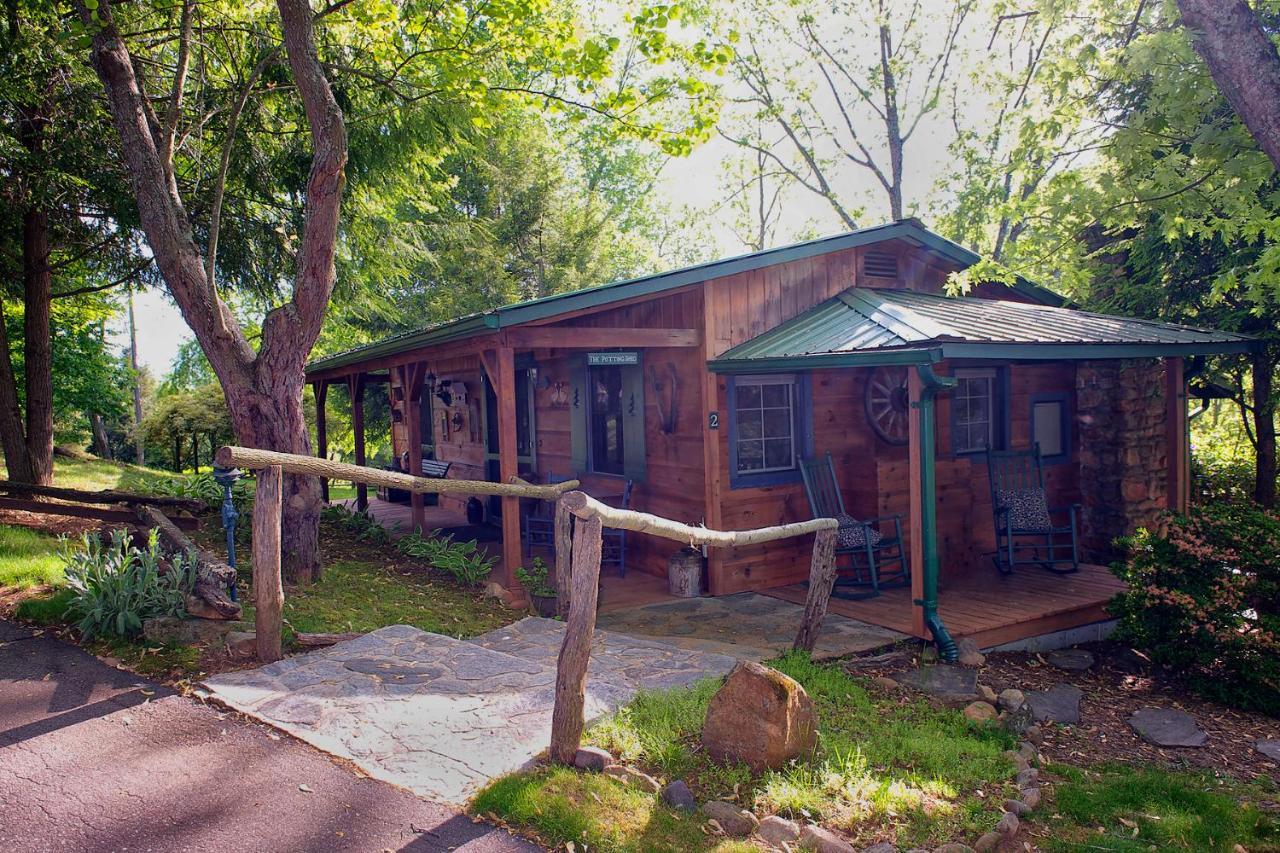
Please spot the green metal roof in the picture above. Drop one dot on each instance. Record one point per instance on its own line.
(908, 230)
(872, 326)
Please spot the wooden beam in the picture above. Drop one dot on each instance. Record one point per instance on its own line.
(268, 587)
(321, 390)
(508, 462)
(99, 513)
(915, 516)
(106, 496)
(395, 361)
(413, 375)
(355, 389)
(588, 337)
(1179, 453)
(564, 561)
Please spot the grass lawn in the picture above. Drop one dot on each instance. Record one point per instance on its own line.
(97, 474)
(888, 767)
(1128, 808)
(28, 558)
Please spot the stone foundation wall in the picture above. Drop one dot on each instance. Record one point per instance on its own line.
(1122, 450)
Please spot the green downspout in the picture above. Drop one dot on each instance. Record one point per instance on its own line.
(931, 384)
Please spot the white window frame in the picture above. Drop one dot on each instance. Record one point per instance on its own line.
(971, 373)
(793, 391)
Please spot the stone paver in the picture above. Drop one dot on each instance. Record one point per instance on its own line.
(1269, 748)
(441, 716)
(1059, 704)
(746, 625)
(1074, 660)
(953, 684)
(1167, 727)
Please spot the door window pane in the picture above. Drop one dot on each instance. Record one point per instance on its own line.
(973, 429)
(606, 419)
(1046, 427)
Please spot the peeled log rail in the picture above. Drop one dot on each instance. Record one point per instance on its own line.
(106, 496)
(822, 579)
(213, 577)
(584, 506)
(253, 459)
(575, 652)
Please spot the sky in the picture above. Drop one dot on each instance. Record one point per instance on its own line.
(697, 182)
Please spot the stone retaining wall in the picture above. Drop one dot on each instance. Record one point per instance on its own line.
(1123, 450)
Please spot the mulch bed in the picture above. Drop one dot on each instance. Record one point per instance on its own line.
(54, 525)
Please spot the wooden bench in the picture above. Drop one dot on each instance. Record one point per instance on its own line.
(433, 468)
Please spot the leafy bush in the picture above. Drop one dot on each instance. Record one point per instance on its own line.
(466, 561)
(1204, 600)
(118, 585)
(1221, 479)
(534, 578)
(203, 487)
(359, 525)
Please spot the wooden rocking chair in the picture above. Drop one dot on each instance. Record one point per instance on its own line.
(1025, 532)
(869, 554)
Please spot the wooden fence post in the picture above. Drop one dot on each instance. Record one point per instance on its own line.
(822, 578)
(564, 559)
(571, 667)
(268, 590)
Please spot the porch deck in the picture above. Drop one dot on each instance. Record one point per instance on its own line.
(991, 608)
(398, 518)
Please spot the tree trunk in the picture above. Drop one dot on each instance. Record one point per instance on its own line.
(1244, 64)
(37, 344)
(1264, 419)
(101, 444)
(140, 443)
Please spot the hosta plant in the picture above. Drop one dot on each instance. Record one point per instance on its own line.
(117, 585)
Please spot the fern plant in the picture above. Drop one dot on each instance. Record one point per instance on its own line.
(467, 562)
(118, 586)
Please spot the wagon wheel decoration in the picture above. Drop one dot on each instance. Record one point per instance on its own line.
(889, 403)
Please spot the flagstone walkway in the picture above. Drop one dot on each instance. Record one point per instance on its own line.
(441, 716)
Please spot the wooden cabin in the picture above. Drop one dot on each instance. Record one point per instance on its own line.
(705, 387)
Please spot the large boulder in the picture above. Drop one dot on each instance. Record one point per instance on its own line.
(173, 631)
(759, 717)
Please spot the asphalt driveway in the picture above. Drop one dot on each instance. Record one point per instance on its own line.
(96, 759)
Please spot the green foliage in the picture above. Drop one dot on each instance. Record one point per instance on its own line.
(1144, 808)
(1203, 599)
(358, 524)
(51, 609)
(203, 487)
(28, 558)
(467, 562)
(118, 585)
(534, 578)
(174, 420)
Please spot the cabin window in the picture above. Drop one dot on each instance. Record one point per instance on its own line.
(1050, 428)
(608, 430)
(976, 411)
(767, 428)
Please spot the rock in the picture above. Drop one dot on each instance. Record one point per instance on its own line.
(1017, 721)
(1011, 699)
(592, 758)
(493, 589)
(880, 847)
(1030, 776)
(1008, 824)
(242, 644)
(759, 717)
(515, 601)
(172, 631)
(633, 778)
(953, 685)
(986, 694)
(988, 842)
(1027, 751)
(969, 654)
(1018, 807)
(733, 820)
(1030, 796)
(954, 847)
(1017, 760)
(1034, 735)
(980, 712)
(1074, 660)
(778, 830)
(1130, 661)
(1058, 704)
(198, 608)
(678, 796)
(887, 683)
(1167, 727)
(823, 840)
(1269, 748)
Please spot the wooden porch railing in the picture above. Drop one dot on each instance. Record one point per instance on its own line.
(579, 521)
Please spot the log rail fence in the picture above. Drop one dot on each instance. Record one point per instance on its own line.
(579, 522)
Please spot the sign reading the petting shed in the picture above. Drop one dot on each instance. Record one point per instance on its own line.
(603, 359)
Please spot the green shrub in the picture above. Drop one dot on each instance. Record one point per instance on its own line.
(466, 561)
(534, 578)
(117, 585)
(203, 487)
(1203, 599)
(359, 525)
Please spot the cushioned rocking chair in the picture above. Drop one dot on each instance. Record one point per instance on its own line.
(869, 554)
(1025, 532)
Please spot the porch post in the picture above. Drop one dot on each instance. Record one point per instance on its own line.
(412, 375)
(321, 390)
(1175, 389)
(913, 513)
(924, 386)
(355, 385)
(508, 462)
